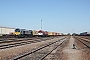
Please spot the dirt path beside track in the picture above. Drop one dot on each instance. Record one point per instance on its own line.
(68, 53)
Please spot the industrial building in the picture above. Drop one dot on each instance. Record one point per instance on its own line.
(6, 30)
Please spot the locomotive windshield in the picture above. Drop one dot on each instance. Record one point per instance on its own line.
(17, 30)
(40, 31)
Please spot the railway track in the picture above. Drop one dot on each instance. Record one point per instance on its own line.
(12, 39)
(42, 52)
(83, 41)
(85, 37)
(13, 43)
(17, 40)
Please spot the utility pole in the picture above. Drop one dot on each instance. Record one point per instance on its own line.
(41, 24)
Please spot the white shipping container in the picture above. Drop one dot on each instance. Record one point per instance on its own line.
(6, 30)
(60, 34)
(88, 32)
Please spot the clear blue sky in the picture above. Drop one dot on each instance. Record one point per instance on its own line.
(58, 15)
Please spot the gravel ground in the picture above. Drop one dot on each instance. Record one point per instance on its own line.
(39, 54)
(57, 54)
(66, 52)
(74, 54)
(10, 53)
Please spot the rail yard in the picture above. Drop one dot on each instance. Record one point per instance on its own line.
(45, 48)
(22, 44)
(44, 30)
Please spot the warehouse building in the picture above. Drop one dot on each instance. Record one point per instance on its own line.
(6, 30)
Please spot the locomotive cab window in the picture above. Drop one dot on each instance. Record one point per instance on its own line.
(17, 30)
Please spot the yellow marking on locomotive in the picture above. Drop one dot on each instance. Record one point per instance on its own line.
(17, 33)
